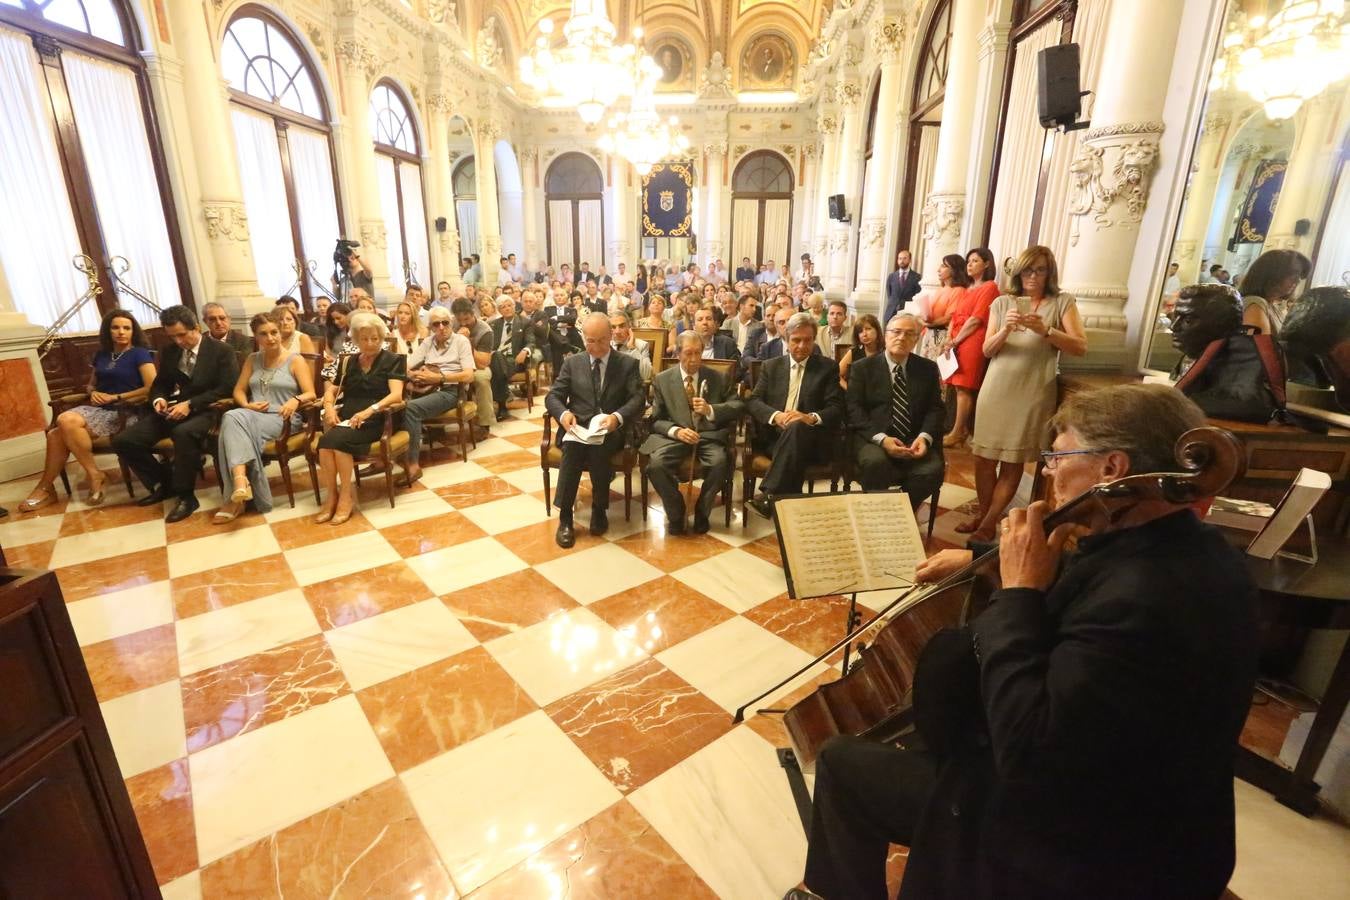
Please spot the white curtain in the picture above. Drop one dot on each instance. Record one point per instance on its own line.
(466, 215)
(560, 233)
(1020, 158)
(37, 233)
(923, 183)
(745, 231)
(312, 173)
(269, 219)
(116, 150)
(777, 241)
(415, 223)
(589, 233)
(393, 247)
(1332, 265)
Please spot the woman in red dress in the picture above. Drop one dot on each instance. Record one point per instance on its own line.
(966, 331)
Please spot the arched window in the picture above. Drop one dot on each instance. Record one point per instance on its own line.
(398, 164)
(464, 182)
(925, 120)
(761, 209)
(285, 151)
(574, 191)
(83, 170)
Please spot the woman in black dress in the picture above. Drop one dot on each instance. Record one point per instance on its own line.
(369, 382)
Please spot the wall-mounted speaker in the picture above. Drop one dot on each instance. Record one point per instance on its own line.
(440, 223)
(1059, 99)
(1302, 227)
(837, 207)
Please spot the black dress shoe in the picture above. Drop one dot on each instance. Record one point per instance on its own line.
(674, 526)
(157, 495)
(184, 508)
(599, 522)
(701, 524)
(762, 504)
(565, 536)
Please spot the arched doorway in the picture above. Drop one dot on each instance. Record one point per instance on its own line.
(761, 208)
(464, 182)
(925, 121)
(284, 146)
(573, 197)
(398, 166)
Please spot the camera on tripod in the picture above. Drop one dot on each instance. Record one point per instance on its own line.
(343, 252)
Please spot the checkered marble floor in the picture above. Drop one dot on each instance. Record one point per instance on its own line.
(434, 700)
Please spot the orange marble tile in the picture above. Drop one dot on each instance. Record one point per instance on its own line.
(351, 598)
(812, 624)
(370, 845)
(426, 535)
(162, 799)
(661, 613)
(1267, 724)
(302, 532)
(669, 553)
(19, 398)
(639, 722)
(507, 604)
(509, 462)
(770, 726)
(430, 710)
(132, 662)
(616, 854)
(527, 441)
(536, 544)
(766, 548)
(202, 524)
(895, 868)
(248, 693)
(472, 493)
(116, 573)
(219, 588)
(84, 521)
(31, 556)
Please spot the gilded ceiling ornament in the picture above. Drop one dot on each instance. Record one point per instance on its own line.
(489, 49)
(847, 93)
(715, 146)
(888, 39)
(716, 78)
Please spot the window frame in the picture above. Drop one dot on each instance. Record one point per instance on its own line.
(762, 197)
(401, 158)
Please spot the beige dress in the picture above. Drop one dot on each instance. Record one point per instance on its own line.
(1020, 387)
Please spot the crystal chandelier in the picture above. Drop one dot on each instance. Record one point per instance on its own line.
(1289, 58)
(640, 135)
(590, 72)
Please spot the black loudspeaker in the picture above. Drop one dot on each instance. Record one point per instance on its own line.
(837, 206)
(440, 223)
(1060, 101)
(1302, 227)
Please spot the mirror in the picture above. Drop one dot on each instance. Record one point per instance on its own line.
(1259, 183)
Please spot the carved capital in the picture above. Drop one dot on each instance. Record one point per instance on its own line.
(489, 130)
(847, 93)
(373, 235)
(225, 221)
(440, 102)
(356, 55)
(941, 217)
(888, 39)
(716, 146)
(872, 233)
(1110, 176)
(492, 245)
(811, 151)
(1153, 127)
(827, 124)
(528, 155)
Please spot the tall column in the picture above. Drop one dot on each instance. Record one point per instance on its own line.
(944, 208)
(712, 242)
(1312, 168)
(530, 254)
(1189, 248)
(848, 156)
(827, 123)
(436, 168)
(804, 210)
(882, 169)
(489, 227)
(991, 63)
(1113, 172)
(619, 215)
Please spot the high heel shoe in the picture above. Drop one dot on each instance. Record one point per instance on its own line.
(325, 515)
(242, 494)
(227, 514)
(96, 494)
(48, 497)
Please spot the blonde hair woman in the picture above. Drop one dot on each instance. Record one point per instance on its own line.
(293, 340)
(408, 329)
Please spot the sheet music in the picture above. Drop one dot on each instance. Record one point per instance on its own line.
(841, 543)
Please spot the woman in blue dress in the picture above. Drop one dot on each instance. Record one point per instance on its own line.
(124, 368)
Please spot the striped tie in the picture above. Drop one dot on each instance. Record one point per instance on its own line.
(900, 403)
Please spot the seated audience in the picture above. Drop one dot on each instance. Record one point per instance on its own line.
(479, 335)
(868, 340)
(838, 330)
(741, 325)
(407, 331)
(626, 343)
(338, 341)
(513, 340)
(293, 340)
(656, 313)
(716, 344)
(815, 305)
(487, 309)
(966, 333)
(218, 329)
(436, 369)
(321, 310)
(309, 329)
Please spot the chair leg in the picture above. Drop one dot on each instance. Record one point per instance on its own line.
(65, 482)
(548, 494)
(314, 479)
(728, 495)
(285, 462)
(642, 481)
(126, 478)
(747, 491)
(932, 513)
(389, 478)
(627, 495)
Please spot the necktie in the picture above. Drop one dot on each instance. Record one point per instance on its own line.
(794, 386)
(900, 403)
(595, 378)
(189, 362)
(506, 335)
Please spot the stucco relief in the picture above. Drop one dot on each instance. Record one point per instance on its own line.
(226, 221)
(941, 216)
(847, 93)
(373, 235)
(888, 39)
(716, 79)
(1120, 197)
(873, 233)
(358, 55)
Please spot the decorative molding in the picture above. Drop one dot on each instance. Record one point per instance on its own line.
(1124, 128)
(788, 150)
(716, 146)
(441, 12)
(489, 130)
(839, 238)
(716, 81)
(357, 55)
(226, 221)
(739, 150)
(1134, 146)
(827, 124)
(527, 155)
(847, 93)
(810, 151)
(822, 246)
(715, 249)
(873, 232)
(374, 235)
(851, 54)
(888, 40)
(488, 52)
(440, 102)
(1215, 124)
(491, 244)
(941, 216)
(992, 38)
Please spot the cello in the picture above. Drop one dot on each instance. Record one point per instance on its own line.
(873, 698)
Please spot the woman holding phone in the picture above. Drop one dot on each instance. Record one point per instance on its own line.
(1029, 327)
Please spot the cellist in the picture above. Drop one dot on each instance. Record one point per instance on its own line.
(1081, 730)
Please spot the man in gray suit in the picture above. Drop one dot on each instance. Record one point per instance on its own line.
(694, 411)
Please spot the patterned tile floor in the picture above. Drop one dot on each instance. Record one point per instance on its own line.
(435, 701)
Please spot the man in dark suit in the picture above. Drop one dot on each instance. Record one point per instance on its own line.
(218, 328)
(902, 285)
(716, 344)
(694, 410)
(798, 405)
(896, 414)
(599, 382)
(513, 340)
(745, 271)
(584, 274)
(194, 372)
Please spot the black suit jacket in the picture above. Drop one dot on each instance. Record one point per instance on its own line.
(819, 393)
(523, 334)
(899, 292)
(621, 391)
(671, 408)
(213, 376)
(869, 399)
(744, 274)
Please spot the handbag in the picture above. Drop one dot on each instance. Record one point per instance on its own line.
(1240, 377)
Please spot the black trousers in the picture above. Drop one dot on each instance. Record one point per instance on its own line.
(189, 435)
(592, 458)
(501, 375)
(919, 478)
(663, 465)
(868, 795)
(793, 449)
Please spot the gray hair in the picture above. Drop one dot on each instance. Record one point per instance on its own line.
(213, 305)
(362, 321)
(594, 317)
(689, 337)
(1143, 421)
(801, 320)
(904, 315)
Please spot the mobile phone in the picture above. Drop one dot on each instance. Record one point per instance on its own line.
(1023, 306)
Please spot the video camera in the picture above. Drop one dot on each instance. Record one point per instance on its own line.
(344, 251)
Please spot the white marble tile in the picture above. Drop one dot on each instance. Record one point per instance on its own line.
(597, 572)
(619, 527)
(399, 641)
(93, 545)
(735, 579)
(735, 660)
(496, 800)
(340, 556)
(222, 635)
(517, 426)
(446, 474)
(493, 446)
(17, 530)
(146, 727)
(411, 506)
(564, 653)
(728, 812)
(464, 565)
(529, 479)
(262, 781)
(122, 612)
(507, 514)
(283, 512)
(955, 496)
(755, 527)
(1283, 854)
(12, 493)
(189, 887)
(217, 551)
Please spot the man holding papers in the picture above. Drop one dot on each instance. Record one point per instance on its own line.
(694, 410)
(595, 393)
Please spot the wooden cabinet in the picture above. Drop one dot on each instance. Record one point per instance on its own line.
(67, 828)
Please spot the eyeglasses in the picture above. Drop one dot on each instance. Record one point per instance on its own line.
(435, 322)
(1049, 457)
(1039, 272)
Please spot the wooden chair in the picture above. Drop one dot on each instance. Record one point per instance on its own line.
(458, 422)
(657, 337)
(624, 460)
(529, 379)
(392, 445)
(755, 466)
(102, 446)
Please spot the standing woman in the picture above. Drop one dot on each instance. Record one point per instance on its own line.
(272, 384)
(867, 341)
(124, 369)
(1268, 286)
(640, 282)
(408, 330)
(966, 333)
(952, 284)
(1028, 329)
(339, 342)
(369, 383)
(293, 340)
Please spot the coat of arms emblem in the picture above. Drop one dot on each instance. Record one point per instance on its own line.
(667, 201)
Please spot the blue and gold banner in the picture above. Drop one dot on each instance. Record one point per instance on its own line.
(668, 200)
(1261, 199)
